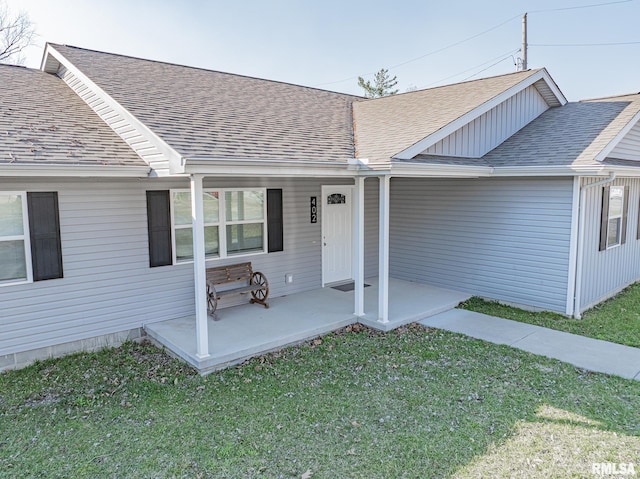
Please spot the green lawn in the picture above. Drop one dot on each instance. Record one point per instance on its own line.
(616, 320)
(413, 403)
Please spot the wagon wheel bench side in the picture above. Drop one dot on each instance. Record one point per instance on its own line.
(250, 282)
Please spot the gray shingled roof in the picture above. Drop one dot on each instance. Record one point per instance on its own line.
(387, 126)
(42, 121)
(203, 113)
(572, 135)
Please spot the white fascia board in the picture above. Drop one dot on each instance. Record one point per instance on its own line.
(550, 171)
(74, 171)
(173, 156)
(480, 110)
(417, 169)
(253, 167)
(618, 138)
(567, 170)
(626, 171)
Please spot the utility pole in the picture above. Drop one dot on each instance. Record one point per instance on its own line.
(524, 42)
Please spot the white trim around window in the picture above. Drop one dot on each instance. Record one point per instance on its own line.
(224, 231)
(615, 216)
(9, 234)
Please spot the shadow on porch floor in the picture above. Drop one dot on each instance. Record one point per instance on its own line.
(250, 330)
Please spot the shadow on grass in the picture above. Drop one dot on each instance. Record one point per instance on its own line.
(410, 403)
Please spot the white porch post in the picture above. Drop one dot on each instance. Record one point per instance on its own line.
(358, 246)
(383, 259)
(199, 267)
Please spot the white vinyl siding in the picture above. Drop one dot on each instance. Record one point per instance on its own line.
(607, 272)
(493, 127)
(108, 286)
(504, 239)
(15, 251)
(629, 146)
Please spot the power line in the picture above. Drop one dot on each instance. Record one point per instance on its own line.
(579, 6)
(485, 69)
(429, 53)
(455, 44)
(501, 58)
(581, 44)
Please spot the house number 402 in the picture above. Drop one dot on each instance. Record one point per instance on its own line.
(314, 209)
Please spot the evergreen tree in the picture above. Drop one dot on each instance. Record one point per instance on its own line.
(382, 85)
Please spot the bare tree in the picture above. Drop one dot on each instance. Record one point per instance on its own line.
(16, 33)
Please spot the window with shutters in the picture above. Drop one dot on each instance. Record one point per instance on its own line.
(614, 224)
(15, 258)
(234, 223)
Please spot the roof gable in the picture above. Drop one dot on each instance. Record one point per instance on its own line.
(629, 146)
(576, 136)
(212, 115)
(487, 131)
(623, 135)
(403, 126)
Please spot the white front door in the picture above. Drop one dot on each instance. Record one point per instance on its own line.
(337, 229)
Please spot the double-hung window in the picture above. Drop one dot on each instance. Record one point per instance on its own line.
(245, 213)
(15, 259)
(234, 223)
(613, 224)
(30, 245)
(182, 228)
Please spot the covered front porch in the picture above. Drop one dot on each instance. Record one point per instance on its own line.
(247, 331)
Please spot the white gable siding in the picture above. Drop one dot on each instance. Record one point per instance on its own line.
(629, 146)
(607, 272)
(133, 137)
(486, 132)
(108, 285)
(504, 239)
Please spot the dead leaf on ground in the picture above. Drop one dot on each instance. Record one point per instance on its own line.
(307, 474)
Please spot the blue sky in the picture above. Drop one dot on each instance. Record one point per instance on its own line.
(321, 43)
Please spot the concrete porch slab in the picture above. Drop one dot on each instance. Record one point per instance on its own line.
(408, 302)
(250, 330)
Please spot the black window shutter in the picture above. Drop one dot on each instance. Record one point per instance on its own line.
(44, 231)
(274, 220)
(625, 211)
(159, 226)
(638, 232)
(604, 220)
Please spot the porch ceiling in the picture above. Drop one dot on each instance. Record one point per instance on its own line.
(250, 330)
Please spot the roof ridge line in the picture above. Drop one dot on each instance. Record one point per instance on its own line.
(530, 71)
(610, 97)
(208, 70)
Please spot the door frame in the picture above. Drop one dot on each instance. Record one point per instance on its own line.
(323, 189)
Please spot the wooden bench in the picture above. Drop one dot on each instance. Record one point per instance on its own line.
(254, 283)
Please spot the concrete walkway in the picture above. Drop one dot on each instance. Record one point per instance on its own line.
(586, 353)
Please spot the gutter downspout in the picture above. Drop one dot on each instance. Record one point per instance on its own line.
(578, 283)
